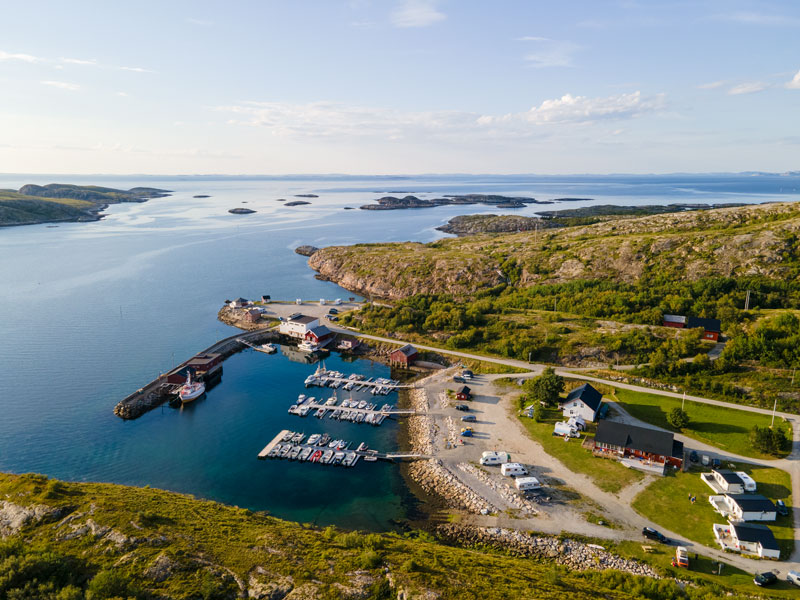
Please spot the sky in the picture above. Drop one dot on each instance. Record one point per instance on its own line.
(399, 86)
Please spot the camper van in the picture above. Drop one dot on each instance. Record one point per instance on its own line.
(749, 482)
(566, 429)
(524, 484)
(512, 470)
(494, 458)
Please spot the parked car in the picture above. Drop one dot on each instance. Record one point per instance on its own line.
(469, 418)
(458, 379)
(782, 509)
(463, 407)
(793, 577)
(466, 431)
(333, 318)
(765, 578)
(333, 311)
(693, 456)
(652, 534)
(705, 460)
(716, 463)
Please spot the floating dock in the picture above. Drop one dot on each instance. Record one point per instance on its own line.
(371, 416)
(282, 447)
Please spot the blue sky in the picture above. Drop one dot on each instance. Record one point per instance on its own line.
(400, 86)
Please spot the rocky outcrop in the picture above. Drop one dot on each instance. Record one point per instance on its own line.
(395, 203)
(573, 554)
(297, 203)
(241, 211)
(14, 517)
(266, 585)
(474, 224)
(306, 250)
(161, 568)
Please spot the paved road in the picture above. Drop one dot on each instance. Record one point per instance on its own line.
(619, 507)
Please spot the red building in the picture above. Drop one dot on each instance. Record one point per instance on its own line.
(404, 356)
(319, 335)
(711, 327)
(200, 365)
(625, 440)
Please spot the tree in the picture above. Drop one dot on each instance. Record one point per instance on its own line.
(678, 418)
(546, 388)
(538, 413)
(768, 440)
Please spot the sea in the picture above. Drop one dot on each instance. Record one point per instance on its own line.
(90, 312)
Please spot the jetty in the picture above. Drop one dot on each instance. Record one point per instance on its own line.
(370, 414)
(166, 385)
(323, 377)
(296, 446)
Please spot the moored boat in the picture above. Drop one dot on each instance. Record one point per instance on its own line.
(191, 390)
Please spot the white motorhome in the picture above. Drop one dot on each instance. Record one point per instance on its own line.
(563, 428)
(513, 470)
(527, 483)
(748, 482)
(494, 458)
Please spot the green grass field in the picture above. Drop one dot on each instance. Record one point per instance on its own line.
(666, 502)
(608, 475)
(726, 428)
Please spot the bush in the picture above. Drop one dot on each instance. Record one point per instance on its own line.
(369, 559)
(769, 440)
(546, 388)
(108, 584)
(678, 418)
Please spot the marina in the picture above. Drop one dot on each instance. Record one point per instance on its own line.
(323, 377)
(322, 449)
(351, 410)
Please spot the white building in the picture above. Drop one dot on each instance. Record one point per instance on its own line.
(297, 326)
(728, 482)
(584, 402)
(747, 538)
(744, 507)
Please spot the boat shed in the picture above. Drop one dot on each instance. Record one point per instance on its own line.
(319, 335)
(404, 356)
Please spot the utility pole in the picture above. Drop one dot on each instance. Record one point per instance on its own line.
(683, 402)
(747, 301)
(774, 406)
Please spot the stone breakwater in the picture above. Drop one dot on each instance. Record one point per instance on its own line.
(570, 553)
(431, 475)
(506, 492)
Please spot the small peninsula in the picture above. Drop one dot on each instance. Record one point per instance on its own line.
(58, 202)
(306, 250)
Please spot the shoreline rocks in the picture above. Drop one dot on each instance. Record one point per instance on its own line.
(241, 211)
(409, 201)
(306, 250)
(296, 203)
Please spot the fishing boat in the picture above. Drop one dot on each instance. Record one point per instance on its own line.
(191, 390)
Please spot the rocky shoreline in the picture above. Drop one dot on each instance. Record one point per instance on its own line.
(573, 554)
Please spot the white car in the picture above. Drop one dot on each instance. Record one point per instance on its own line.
(793, 577)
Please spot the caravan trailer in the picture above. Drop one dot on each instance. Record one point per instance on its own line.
(747, 481)
(566, 429)
(513, 470)
(524, 484)
(494, 458)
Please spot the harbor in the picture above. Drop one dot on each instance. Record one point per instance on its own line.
(322, 449)
(323, 377)
(354, 411)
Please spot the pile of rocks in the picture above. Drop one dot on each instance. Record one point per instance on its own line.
(435, 479)
(573, 554)
(506, 492)
(420, 428)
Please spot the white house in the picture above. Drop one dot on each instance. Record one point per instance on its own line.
(745, 507)
(728, 481)
(240, 303)
(297, 326)
(747, 538)
(584, 402)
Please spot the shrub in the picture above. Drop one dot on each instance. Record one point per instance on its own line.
(369, 559)
(678, 418)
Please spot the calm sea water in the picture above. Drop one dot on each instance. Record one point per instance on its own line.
(91, 311)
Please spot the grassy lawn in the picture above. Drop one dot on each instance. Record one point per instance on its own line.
(726, 428)
(704, 569)
(607, 474)
(666, 503)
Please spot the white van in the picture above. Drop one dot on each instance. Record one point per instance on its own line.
(563, 428)
(527, 483)
(513, 470)
(494, 458)
(749, 482)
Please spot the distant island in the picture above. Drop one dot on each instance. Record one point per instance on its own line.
(306, 196)
(201, 196)
(58, 202)
(395, 203)
(241, 211)
(297, 203)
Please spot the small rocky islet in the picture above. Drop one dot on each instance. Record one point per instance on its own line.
(241, 211)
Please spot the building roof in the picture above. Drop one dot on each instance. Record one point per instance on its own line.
(707, 324)
(729, 476)
(320, 331)
(752, 502)
(587, 394)
(241, 301)
(638, 438)
(464, 390)
(674, 319)
(752, 532)
(408, 350)
(303, 319)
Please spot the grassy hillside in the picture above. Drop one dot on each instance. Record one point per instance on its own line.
(65, 541)
(62, 202)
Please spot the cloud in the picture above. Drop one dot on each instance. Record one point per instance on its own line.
(794, 84)
(329, 120)
(9, 56)
(416, 13)
(752, 18)
(532, 38)
(712, 85)
(135, 69)
(747, 88)
(122, 94)
(79, 61)
(550, 53)
(63, 85)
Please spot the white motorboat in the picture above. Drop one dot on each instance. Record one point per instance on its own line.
(266, 348)
(313, 439)
(191, 390)
(308, 346)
